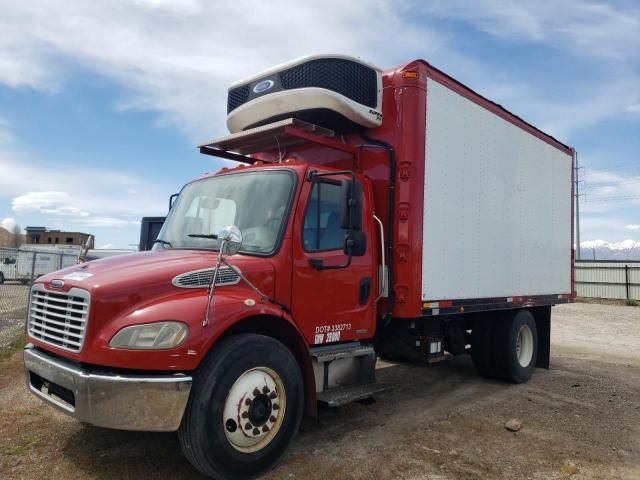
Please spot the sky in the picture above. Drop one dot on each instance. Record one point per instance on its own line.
(102, 103)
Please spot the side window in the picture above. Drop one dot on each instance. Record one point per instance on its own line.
(322, 229)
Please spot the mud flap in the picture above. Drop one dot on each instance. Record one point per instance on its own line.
(542, 316)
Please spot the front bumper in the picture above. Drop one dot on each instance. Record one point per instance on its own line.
(125, 402)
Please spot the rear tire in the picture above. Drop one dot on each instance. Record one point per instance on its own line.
(226, 438)
(515, 346)
(481, 347)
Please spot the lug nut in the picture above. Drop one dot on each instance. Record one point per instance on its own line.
(248, 426)
(247, 401)
(256, 392)
(256, 431)
(245, 415)
(275, 406)
(273, 395)
(265, 389)
(231, 425)
(265, 429)
(272, 419)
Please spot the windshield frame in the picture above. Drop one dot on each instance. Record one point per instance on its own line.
(285, 218)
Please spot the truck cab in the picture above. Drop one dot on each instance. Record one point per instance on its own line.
(275, 284)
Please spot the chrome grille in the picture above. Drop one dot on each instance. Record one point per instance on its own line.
(202, 278)
(59, 318)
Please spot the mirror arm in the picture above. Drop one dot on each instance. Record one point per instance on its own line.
(212, 285)
(318, 263)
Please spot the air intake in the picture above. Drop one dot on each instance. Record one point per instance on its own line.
(337, 92)
(202, 278)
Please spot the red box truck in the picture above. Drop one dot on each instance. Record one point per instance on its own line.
(371, 213)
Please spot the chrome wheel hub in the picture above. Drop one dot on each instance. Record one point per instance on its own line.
(254, 409)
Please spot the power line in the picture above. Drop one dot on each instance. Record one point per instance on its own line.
(605, 199)
(603, 185)
(611, 170)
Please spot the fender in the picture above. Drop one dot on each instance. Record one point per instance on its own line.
(280, 325)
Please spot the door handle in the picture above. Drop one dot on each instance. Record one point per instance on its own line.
(316, 263)
(364, 291)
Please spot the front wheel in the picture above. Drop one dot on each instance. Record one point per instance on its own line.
(245, 408)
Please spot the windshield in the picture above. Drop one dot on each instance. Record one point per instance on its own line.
(256, 202)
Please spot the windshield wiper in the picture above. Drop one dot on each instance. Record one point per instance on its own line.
(163, 242)
(202, 235)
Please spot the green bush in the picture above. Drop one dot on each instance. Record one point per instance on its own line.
(632, 303)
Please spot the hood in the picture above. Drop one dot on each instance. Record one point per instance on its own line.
(128, 281)
(153, 267)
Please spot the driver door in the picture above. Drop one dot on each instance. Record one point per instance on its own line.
(332, 305)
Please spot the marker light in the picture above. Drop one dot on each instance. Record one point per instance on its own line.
(151, 336)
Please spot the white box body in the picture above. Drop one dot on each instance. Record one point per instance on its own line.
(497, 205)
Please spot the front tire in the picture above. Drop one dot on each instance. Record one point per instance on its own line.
(245, 408)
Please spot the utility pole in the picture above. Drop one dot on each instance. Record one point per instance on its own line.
(577, 194)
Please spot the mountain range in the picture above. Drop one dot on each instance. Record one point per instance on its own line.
(601, 250)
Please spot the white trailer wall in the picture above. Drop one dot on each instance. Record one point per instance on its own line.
(497, 205)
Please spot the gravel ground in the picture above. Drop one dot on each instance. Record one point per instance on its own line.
(580, 420)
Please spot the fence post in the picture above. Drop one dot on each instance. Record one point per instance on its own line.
(626, 279)
(33, 266)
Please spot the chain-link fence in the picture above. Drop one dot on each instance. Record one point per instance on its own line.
(18, 269)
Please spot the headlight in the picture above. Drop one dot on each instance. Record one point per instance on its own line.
(151, 336)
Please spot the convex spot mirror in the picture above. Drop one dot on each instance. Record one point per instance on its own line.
(230, 239)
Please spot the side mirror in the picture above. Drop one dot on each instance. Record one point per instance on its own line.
(231, 240)
(351, 208)
(356, 244)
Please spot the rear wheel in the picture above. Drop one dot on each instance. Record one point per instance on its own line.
(245, 408)
(515, 346)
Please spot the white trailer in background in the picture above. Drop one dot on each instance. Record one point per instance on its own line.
(34, 261)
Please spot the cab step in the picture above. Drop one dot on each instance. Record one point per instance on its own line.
(342, 396)
(330, 353)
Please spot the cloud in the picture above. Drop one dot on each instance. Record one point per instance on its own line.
(178, 58)
(8, 224)
(66, 196)
(633, 108)
(6, 136)
(579, 26)
(633, 227)
(53, 203)
(608, 191)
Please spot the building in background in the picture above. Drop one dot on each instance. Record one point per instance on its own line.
(10, 239)
(43, 236)
(5, 237)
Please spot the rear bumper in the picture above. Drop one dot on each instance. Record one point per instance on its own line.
(125, 402)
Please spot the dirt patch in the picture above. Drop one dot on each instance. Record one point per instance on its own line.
(440, 421)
